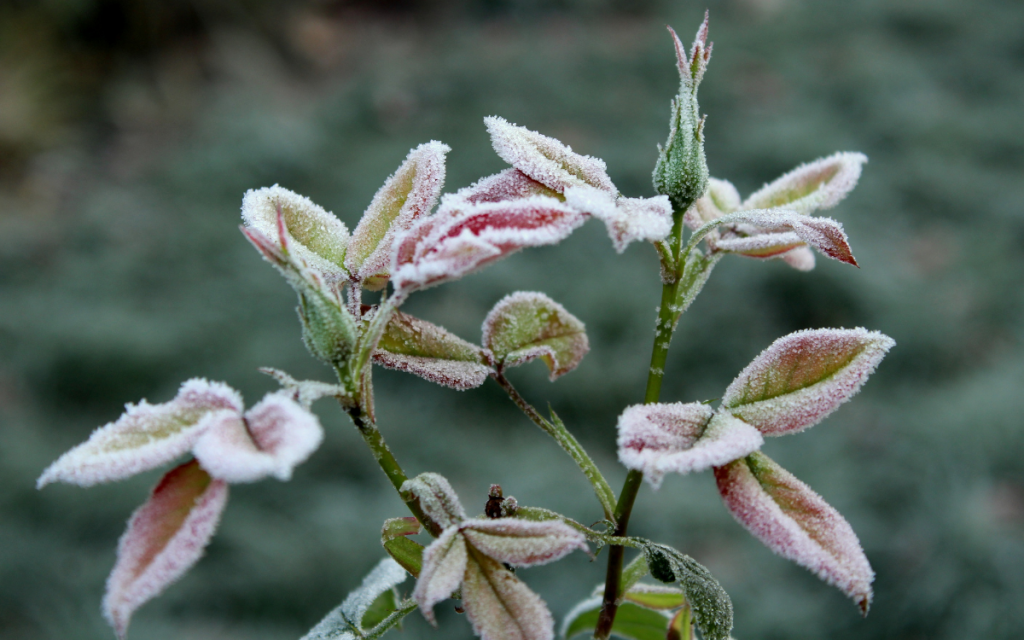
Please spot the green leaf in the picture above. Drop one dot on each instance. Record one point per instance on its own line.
(696, 271)
(526, 325)
(681, 627)
(712, 608)
(365, 608)
(431, 352)
(656, 597)
(404, 551)
(632, 621)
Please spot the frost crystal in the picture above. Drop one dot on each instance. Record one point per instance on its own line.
(500, 606)
(165, 537)
(545, 159)
(145, 437)
(510, 184)
(796, 523)
(627, 219)
(384, 577)
(522, 542)
(767, 233)
(436, 497)
(803, 377)
(406, 196)
(527, 325)
(821, 184)
(681, 438)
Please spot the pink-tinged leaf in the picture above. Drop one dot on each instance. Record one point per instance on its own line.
(796, 523)
(801, 258)
(545, 159)
(275, 436)
(821, 184)
(762, 245)
(436, 498)
(444, 565)
(803, 377)
(313, 236)
(165, 537)
(627, 219)
(406, 196)
(461, 239)
(681, 438)
(431, 352)
(522, 542)
(720, 199)
(510, 184)
(500, 606)
(146, 436)
(527, 325)
(824, 234)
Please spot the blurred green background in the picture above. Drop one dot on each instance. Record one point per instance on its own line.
(130, 129)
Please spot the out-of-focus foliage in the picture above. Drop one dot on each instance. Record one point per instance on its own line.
(130, 130)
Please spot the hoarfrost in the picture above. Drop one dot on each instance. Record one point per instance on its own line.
(500, 607)
(444, 565)
(431, 352)
(796, 523)
(525, 325)
(771, 232)
(436, 497)
(522, 542)
(820, 184)
(305, 392)
(510, 184)
(448, 373)
(165, 537)
(627, 219)
(385, 576)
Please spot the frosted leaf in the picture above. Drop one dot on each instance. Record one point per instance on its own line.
(681, 438)
(500, 607)
(436, 498)
(801, 258)
(627, 219)
(316, 237)
(632, 621)
(444, 565)
(406, 552)
(510, 184)
(383, 578)
(459, 240)
(545, 159)
(305, 392)
(824, 234)
(712, 608)
(796, 523)
(429, 351)
(146, 436)
(527, 325)
(522, 542)
(803, 377)
(720, 199)
(407, 195)
(655, 596)
(275, 435)
(821, 184)
(693, 66)
(763, 245)
(165, 537)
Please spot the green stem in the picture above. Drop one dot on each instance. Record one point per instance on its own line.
(569, 444)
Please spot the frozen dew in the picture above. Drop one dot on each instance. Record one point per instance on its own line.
(821, 184)
(522, 542)
(627, 219)
(796, 523)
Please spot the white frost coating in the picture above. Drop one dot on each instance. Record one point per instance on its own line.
(461, 237)
(824, 234)
(165, 537)
(720, 198)
(545, 159)
(305, 392)
(796, 523)
(437, 498)
(681, 438)
(803, 377)
(763, 245)
(146, 436)
(444, 565)
(454, 374)
(385, 576)
(315, 236)
(407, 195)
(627, 219)
(275, 436)
(820, 184)
(522, 542)
(500, 607)
(510, 184)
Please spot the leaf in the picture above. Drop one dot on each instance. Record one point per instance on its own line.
(376, 589)
(462, 237)
(522, 542)
(627, 219)
(305, 392)
(444, 565)
(823, 234)
(654, 596)
(165, 537)
(500, 606)
(632, 621)
(712, 608)
(404, 551)
(796, 523)
(510, 184)
(314, 236)
(431, 352)
(803, 377)
(146, 436)
(436, 497)
(527, 325)
(821, 184)
(545, 159)
(406, 196)
(720, 199)
(275, 435)
(681, 627)
(696, 271)
(681, 438)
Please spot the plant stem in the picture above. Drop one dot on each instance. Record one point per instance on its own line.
(569, 444)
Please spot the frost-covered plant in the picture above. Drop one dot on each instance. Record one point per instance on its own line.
(402, 245)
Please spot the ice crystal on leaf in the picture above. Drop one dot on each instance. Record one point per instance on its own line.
(627, 219)
(431, 352)
(681, 438)
(500, 606)
(350, 620)
(803, 377)
(527, 325)
(165, 537)
(510, 184)
(814, 186)
(796, 523)
(436, 498)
